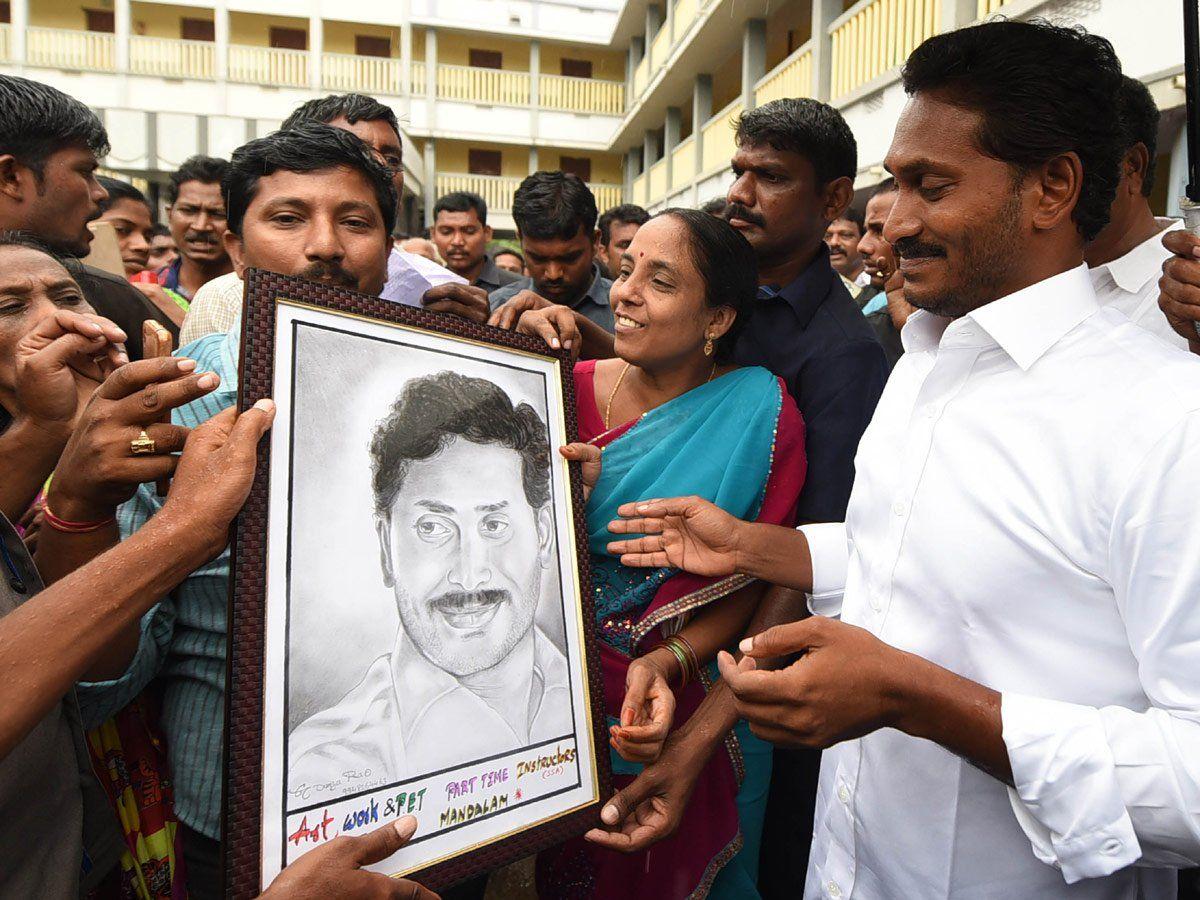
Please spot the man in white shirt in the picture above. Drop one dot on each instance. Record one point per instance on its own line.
(1012, 695)
(1125, 259)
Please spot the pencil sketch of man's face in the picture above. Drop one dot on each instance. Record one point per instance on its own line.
(470, 551)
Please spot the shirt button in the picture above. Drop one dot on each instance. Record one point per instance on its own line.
(833, 889)
(1111, 847)
(843, 793)
(876, 603)
(899, 508)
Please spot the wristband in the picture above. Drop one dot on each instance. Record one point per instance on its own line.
(73, 527)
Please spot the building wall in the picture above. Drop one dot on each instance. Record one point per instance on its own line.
(454, 49)
(605, 65)
(339, 36)
(254, 30)
(794, 16)
(163, 21)
(60, 13)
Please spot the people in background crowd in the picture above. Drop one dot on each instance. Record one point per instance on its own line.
(127, 211)
(1126, 258)
(420, 246)
(313, 202)
(461, 234)
(617, 227)
(508, 259)
(163, 251)
(50, 146)
(842, 237)
(885, 309)
(715, 206)
(196, 215)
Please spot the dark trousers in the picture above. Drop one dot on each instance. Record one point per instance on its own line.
(788, 827)
(202, 859)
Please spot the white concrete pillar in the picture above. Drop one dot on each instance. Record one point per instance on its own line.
(430, 74)
(654, 20)
(535, 70)
(430, 192)
(957, 13)
(702, 110)
(672, 126)
(122, 28)
(221, 40)
(824, 12)
(20, 21)
(754, 58)
(534, 161)
(316, 49)
(631, 171)
(406, 37)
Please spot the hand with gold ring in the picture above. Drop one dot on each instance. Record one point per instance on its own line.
(120, 440)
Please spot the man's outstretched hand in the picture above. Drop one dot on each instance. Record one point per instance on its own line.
(687, 533)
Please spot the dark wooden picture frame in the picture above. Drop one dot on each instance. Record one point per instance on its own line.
(243, 825)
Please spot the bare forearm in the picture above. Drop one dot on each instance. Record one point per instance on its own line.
(961, 715)
(597, 343)
(71, 623)
(28, 455)
(721, 624)
(775, 554)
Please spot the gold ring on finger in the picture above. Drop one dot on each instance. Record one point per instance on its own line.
(142, 445)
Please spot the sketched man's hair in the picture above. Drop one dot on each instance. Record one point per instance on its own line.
(432, 410)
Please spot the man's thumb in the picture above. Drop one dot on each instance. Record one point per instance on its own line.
(625, 801)
(777, 641)
(381, 843)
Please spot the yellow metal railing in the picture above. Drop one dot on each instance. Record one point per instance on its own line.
(717, 137)
(171, 58)
(791, 78)
(984, 8)
(68, 49)
(638, 189)
(268, 65)
(875, 36)
(660, 49)
(478, 85)
(581, 94)
(370, 74)
(5, 41)
(641, 77)
(496, 190)
(658, 181)
(416, 78)
(683, 163)
(685, 14)
(607, 195)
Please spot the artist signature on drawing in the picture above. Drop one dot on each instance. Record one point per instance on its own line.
(353, 778)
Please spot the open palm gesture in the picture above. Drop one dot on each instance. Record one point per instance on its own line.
(687, 533)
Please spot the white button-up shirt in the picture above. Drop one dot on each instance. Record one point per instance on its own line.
(1130, 284)
(1026, 513)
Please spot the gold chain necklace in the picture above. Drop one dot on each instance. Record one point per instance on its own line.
(621, 377)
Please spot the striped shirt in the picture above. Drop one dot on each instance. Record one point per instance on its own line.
(183, 637)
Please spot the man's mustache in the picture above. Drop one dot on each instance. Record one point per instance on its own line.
(737, 211)
(320, 271)
(200, 237)
(456, 601)
(912, 248)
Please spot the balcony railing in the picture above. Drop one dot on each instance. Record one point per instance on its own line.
(268, 65)
(581, 94)
(170, 58)
(660, 48)
(477, 85)
(658, 179)
(984, 8)
(638, 189)
(641, 77)
(874, 36)
(685, 14)
(791, 78)
(683, 163)
(497, 190)
(369, 74)
(63, 48)
(717, 137)
(5, 41)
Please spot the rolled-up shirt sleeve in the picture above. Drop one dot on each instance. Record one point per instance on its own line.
(1098, 789)
(829, 547)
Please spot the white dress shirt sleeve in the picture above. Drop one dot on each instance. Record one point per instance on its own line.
(829, 547)
(1100, 789)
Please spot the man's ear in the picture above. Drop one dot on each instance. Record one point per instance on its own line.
(837, 196)
(383, 528)
(1058, 184)
(487, 234)
(1136, 163)
(545, 527)
(13, 177)
(235, 249)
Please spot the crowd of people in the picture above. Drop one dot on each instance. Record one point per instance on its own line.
(938, 527)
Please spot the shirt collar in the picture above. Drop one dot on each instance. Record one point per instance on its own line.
(1131, 271)
(809, 290)
(590, 294)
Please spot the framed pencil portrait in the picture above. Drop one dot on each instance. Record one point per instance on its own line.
(411, 622)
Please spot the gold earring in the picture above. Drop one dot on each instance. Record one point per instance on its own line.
(708, 346)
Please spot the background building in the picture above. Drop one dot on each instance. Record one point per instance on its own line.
(636, 97)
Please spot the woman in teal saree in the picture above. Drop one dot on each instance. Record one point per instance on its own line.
(673, 416)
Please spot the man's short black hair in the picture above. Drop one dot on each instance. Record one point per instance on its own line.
(887, 186)
(32, 242)
(119, 190)
(39, 120)
(158, 229)
(309, 147)
(1139, 122)
(504, 249)
(855, 217)
(626, 214)
(1042, 90)
(554, 205)
(351, 107)
(434, 409)
(204, 169)
(461, 202)
(813, 129)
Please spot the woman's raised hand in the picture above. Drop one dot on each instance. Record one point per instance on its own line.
(687, 533)
(647, 710)
(588, 455)
(554, 324)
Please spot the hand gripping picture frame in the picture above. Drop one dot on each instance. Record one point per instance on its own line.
(411, 622)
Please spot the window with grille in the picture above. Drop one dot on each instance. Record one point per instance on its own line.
(102, 20)
(370, 45)
(485, 59)
(577, 68)
(288, 38)
(576, 165)
(197, 30)
(483, 162)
